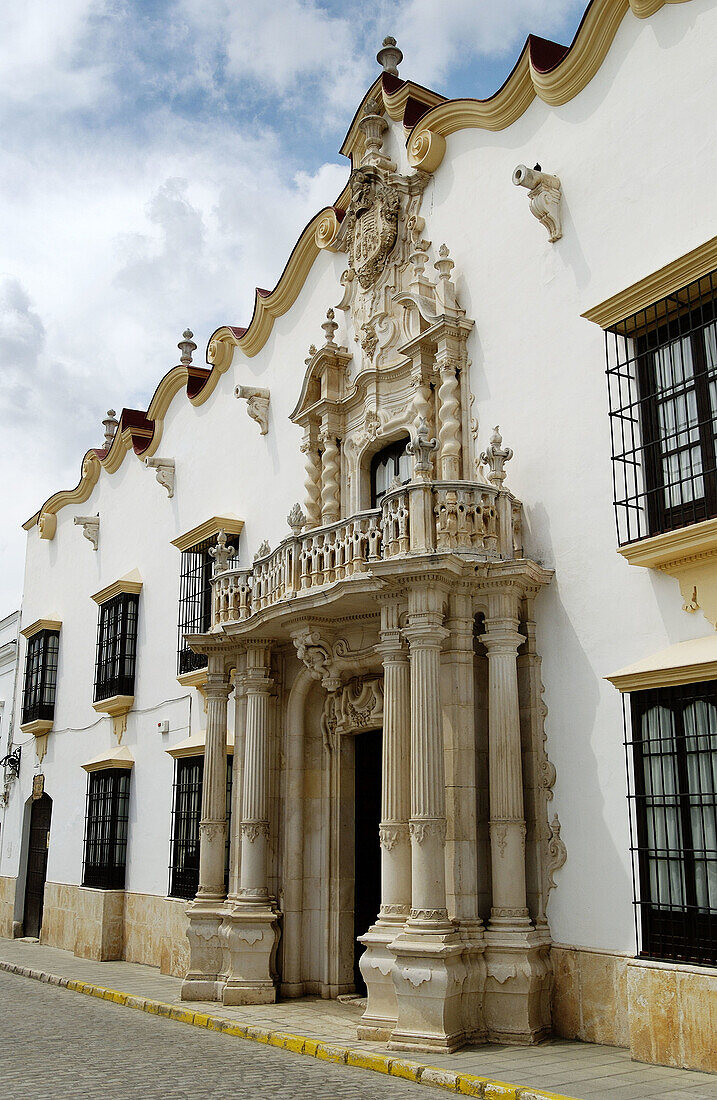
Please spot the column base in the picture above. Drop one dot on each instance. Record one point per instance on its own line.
(518, 982)
(250, 935)
(428, 977)
(204, 977)
(377, 963)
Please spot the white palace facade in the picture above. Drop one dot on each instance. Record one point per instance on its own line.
(330, 685)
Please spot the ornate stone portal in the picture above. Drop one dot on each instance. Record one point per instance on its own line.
(415, 616)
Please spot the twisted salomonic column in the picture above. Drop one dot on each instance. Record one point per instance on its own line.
(330, 475)
(312, 482)
(507, 818)
(395, 771)
(255, 796)
(425, 636)
(213, 825)
(449, 429)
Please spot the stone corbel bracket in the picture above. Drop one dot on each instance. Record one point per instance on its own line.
(257, 405)
(545, 193)
(165, 472)
(91, 525)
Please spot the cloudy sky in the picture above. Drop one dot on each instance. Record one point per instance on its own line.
(159, 159)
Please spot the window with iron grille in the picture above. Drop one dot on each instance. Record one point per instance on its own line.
(38, 694)
(106, 829)
(195, 602)
(662, 385)
(116, 646)
(186, 815)
(672, 769)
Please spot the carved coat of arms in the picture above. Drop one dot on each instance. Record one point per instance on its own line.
(372, 224)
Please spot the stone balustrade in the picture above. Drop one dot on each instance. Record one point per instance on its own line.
(464, 517)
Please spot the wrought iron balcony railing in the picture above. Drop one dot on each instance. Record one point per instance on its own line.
(479, 520)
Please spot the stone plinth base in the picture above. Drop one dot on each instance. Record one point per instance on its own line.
(428, 977)
(204, 977)
(250, 936)
(517, 989)
(377, 963)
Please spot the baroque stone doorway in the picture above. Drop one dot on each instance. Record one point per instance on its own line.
(367, 850)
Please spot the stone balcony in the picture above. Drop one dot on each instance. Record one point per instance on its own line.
(476, 521)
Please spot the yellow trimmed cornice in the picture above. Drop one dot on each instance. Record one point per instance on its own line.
(688, 662)
(230, 524)
(195, 745)
(132, 583)
(39, 728)
(40, 624)
(426, 148)
(116, 758)
(555, 87)
(688, 554)
(668, 279)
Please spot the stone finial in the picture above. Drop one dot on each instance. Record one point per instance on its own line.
(421, 447)
(221, 552)
(389, 56)
(495, 457)
(545, 193)
(187, 347)
(444, 264)
(312, 353)
(110, 425)
(329, 326)
(263, 549)
(91, 528)
(296, 519)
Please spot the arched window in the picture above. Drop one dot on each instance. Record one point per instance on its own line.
(391, 464)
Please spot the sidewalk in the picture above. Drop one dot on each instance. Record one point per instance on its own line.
(327, 1029)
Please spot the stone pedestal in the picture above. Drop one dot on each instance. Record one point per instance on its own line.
(204, 976)
(250, 930)
(517, 988)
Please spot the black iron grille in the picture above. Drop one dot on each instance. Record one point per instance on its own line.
(662, 386)
(195, 602)
(106, 829)
(672, 770)
(186, 815)
(116, 646)
(38, 696)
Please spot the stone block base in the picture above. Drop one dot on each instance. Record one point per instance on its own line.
(517, 988)
(377, 964)
(204, 977)
(250, 937)
(428, 976)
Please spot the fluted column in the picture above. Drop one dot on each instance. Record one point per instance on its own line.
(330, 478)
(507, 818)
(425, 635)
(449, 421)
(255, 795)
(237, 781)
(213, 824)
(395, 771)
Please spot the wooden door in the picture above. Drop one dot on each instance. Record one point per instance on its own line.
(37, 865)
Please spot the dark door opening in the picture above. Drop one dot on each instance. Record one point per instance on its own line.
(40, 815)
(367, 850)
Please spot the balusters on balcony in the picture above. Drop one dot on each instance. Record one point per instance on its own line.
(466, 517)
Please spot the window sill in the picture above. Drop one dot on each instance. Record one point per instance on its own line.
(117, 707)
(39, 729)
(688, 554)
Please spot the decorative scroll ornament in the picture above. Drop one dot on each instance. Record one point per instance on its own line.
(296, 519)
(262, 550)
(221, 553)
(557, 852)
(355, 706)
(545, 193)
(91, 525)
(391, 833)
(257, 405)
(421, 447)
(432, 827)
(165, 472)
(371, 224)
(495, 456)
(316, 655)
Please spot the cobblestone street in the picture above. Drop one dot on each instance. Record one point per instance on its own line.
(57, 1044)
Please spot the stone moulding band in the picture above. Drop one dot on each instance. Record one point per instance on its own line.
(466, 1084)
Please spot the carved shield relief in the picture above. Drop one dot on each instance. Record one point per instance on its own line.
(373, 225)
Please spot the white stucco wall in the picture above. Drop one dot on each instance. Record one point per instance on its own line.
(634, 153)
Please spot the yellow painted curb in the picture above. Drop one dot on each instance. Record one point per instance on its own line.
(466, 1084)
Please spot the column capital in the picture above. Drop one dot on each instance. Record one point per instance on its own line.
(392, 646)
(425, 633)
(217, 686)
(501, 636)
